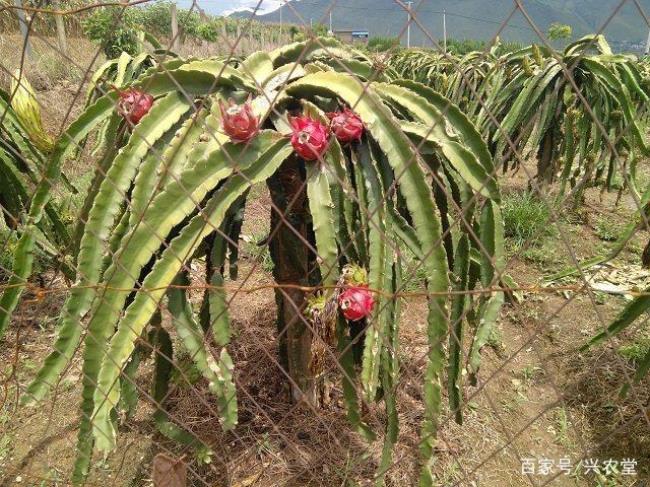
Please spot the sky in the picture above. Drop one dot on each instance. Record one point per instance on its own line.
(227, 6)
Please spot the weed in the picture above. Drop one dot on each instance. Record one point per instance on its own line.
(53, 70)
(28, 364)
(103, 466)
(264, 445)
(413, 272)
(609, 476)
(575, 215)
(521, 382)
(495, 340)
(68, 384)
(473, 406)
(10, 240)
(382, 43)
(632, 251)
(204, 455)
(415, 280)
(5, 446)
(256, 252)
(512, 405)
(563, 424)
(529, 373)
(186, 374)
(344, 472)
(636, 350)
(600, 297)
(5, 440)
(607, 229)
(526, 218)
(54, 478)
(451, 473)
(544, 254)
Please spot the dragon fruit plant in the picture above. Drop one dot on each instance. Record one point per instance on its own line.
(24, 149)
(395, 175)
(578, 111)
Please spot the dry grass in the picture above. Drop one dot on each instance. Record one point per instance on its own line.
(56, 78)
(511, 415)
(231, 45)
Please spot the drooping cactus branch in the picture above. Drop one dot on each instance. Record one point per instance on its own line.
(348, 188)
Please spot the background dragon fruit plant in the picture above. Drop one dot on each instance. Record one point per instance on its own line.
(395, 179)
(548, 117)
(24, 149)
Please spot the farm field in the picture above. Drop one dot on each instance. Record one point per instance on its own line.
(507, 411)
(308, 263)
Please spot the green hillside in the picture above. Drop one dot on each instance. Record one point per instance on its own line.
(477, 19)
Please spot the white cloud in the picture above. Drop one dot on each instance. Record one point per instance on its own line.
(265, 6)
(226, 7)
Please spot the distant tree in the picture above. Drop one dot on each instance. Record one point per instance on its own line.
(319, 29)
(114, 30)
(506, 47)
(557, 31)
(382, 44)
(463, 46)
(460, 47)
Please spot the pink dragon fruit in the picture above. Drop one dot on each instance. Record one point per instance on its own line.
(309, 138)
(346, 125)
(133, 104)
(356, 303)
(238, 121)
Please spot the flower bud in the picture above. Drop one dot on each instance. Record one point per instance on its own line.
(354, 275)
(315, 306)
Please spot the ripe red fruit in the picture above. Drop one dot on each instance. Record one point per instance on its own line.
(309, 138)
(356, 303)
(134, 104)
(346, 125)
(238, 121)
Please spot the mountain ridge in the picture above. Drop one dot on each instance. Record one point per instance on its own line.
(473, 19)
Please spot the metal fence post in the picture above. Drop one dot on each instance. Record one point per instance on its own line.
(60, 30)
(22, 21)
(174, 16)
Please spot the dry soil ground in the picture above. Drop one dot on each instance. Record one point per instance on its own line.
(537, 397)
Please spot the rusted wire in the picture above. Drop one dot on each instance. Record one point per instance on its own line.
(39, 292)
(72, 11)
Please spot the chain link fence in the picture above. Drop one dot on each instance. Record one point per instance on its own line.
(308, 264)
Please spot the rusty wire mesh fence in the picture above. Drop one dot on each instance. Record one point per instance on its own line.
(314, 305)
